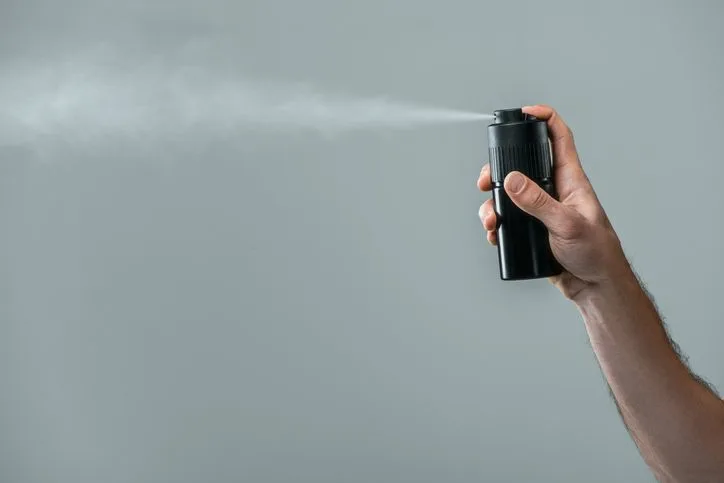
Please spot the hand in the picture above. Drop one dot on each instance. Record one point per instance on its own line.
(581, 236)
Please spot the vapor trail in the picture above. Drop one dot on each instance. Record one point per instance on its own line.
(80, 102)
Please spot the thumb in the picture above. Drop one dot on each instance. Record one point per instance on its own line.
(532, 199)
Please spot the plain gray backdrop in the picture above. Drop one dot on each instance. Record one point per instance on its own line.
(290, 307)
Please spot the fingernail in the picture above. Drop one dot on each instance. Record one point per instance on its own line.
(514, 182)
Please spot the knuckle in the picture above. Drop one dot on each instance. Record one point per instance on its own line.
(485, 212)
(554, 117)
(539, 199)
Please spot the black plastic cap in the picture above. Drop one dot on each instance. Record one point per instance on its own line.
(518, 142)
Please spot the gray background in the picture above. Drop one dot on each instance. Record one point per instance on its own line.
(261, 307)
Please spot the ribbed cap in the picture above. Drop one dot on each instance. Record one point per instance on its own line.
(532, 159)
(517, 142)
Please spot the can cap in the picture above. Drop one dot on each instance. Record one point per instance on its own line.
(518, 142)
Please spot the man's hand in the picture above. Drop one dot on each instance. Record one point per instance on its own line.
(581, 236)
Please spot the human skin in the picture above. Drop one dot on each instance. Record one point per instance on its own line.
(674, 417)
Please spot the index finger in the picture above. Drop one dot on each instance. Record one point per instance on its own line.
(561, 136)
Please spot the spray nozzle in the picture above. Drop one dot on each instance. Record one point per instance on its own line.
(503, 116)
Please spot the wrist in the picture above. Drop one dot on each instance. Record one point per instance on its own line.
(619, 286)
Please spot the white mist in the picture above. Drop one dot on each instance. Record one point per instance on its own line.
(80, 102)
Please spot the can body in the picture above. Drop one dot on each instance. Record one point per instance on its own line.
(520, 143)
(524, 250)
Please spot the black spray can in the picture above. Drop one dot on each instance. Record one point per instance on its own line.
(519, 142)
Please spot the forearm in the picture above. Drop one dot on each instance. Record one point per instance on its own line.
(677, 422)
